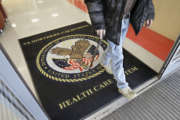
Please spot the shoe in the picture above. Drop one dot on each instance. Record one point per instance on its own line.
(107, 68)
(127, 92)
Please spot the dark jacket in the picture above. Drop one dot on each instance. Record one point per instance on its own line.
(107, 14)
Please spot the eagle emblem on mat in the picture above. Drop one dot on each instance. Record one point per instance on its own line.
(69, 58)
(80, 55)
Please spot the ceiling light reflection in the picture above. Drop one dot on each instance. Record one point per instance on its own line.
(40, 1)
(35, 20)
(55, 15)
(13, 25)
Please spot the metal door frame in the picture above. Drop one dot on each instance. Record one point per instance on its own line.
(23, 81)
(169, 58)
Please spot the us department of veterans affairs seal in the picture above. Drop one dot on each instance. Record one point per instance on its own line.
(68, 58)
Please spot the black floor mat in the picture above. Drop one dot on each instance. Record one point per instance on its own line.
(59, 61)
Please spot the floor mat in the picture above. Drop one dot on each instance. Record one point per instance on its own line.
(68, 88)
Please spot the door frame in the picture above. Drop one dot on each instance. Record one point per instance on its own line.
(169, 59)
(27, 89)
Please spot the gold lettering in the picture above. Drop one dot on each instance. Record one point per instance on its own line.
(62, 75)
(101, 86)
(74, 100)
(27, 43)
(47, 37)
(89, 92)
(74, 75)
(83, 94)
(57, 34)
(126, 73)
(54, 35)
(86, 74)
(62, 105)
(135, 68)
(78, 75)
(67, 31)
(110, 81)
(44, 38)
(105, 83)
(99, 67)
(62, 32)
(131, 70)
(95, 88)
(51, 36)
(68, 102)
(89, 72)
(79, 97)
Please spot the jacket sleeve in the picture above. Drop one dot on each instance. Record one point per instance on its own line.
(151, 10)
(96, 13)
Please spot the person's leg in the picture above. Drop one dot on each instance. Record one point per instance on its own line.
(114, 53)
(111, 49)
(117, 64)
(117, 58)
(107, 56)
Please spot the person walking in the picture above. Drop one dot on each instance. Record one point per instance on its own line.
(110, 19)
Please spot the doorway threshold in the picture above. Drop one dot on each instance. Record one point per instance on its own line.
(113, 106)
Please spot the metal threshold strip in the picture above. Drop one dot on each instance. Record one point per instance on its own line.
(161, 102)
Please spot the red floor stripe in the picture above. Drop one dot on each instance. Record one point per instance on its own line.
(71, 1)
(155, 43)
(80, 4)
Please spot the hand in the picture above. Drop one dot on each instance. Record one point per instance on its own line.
(101, 33)
(148, 23)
